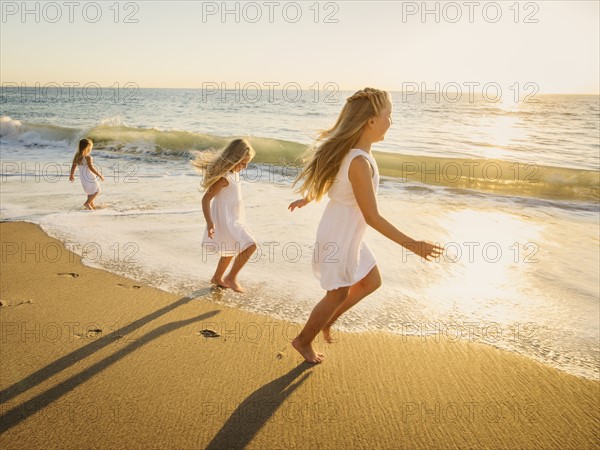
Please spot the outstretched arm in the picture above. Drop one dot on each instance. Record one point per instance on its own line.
(359, 174)
(298, 204)
(206, 199)
(92, 168)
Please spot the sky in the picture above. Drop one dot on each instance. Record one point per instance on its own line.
(542, 46)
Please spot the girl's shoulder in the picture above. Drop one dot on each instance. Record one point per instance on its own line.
(356, 152)
(217, 186)
(232, 177)
(352, 154)
(223, 181)
(366, 156)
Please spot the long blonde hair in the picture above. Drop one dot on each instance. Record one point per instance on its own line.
(84, 149)
(213, 165)
(332, 145)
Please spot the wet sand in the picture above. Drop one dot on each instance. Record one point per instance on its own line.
(94, 360)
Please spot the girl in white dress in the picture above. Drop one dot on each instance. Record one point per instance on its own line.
(223, 207)
(87, 172)
(343, 167)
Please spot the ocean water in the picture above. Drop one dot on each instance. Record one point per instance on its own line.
(511, 190)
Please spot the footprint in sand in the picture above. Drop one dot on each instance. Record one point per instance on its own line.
(209, 333)
(126, 286)
(68, 274)
(25, 302)
(91, 333)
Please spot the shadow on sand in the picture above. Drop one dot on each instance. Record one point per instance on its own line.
(254, 412)
(13, 416)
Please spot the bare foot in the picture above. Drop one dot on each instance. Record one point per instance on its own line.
(233, 284)
(88, 206)
(327, 335)
(307, 352)
(219, 282)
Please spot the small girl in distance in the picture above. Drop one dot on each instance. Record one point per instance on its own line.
(87, 172)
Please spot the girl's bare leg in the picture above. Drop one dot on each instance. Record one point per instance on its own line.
(240, 260)
(93, 198)
(358, 291)
(89, 204)
(319, 318)
(220, 270)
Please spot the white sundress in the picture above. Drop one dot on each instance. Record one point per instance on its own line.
(227, 212)
(88, 179)
(340, 256)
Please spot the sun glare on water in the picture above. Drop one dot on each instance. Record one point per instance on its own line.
(487, 256)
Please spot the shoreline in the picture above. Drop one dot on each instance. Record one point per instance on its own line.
(448, 331)
(93, 359)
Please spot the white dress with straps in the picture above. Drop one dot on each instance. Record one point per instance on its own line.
(88, 179)
(340, 256)
(227, 212)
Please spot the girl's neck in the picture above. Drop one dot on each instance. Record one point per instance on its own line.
(363, 144)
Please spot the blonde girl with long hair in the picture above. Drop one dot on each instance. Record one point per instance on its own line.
(343, 167)
(87, 172)
(223, 207)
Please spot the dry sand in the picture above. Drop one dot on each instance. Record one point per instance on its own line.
(93, 360)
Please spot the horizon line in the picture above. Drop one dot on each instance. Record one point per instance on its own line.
(428, 92)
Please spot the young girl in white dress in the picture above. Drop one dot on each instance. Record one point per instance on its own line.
(223, 208)
(87, 172)
(343, 167)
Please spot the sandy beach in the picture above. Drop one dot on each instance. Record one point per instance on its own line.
(94, 360)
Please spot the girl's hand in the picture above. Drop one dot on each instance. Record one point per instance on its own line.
(211, 230)
(426, 250)
(71, 178)
(298, 204)
(101, 177)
